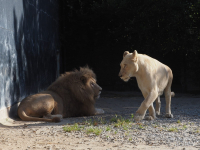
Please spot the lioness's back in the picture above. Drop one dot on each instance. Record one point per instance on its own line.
(153, 65)
(149, 60)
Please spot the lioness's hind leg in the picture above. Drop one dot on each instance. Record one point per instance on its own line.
(168, 99)
(168, 104)
(158, 105)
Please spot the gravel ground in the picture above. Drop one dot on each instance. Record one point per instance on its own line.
(117, 129)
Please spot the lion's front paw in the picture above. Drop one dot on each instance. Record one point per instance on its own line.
(149, 118)
(99, 111)
(169, 116)
(59, 116)
(138, 117)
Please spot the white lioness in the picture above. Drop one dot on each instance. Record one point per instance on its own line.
(153, 79)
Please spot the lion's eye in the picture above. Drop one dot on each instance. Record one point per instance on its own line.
(92, 83)
(124, 66)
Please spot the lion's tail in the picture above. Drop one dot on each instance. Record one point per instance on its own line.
(172, 94)
(24, 117)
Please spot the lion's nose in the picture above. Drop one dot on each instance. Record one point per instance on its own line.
(120, 75)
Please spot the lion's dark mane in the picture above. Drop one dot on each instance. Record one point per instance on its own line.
(78, 98)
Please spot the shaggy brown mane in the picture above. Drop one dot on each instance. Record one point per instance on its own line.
(76, 74)
(70, 83)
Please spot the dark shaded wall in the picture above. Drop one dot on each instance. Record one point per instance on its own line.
(29, 62)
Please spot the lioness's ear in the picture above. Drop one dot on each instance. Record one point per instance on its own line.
(83, 79)
(134, 56)
(125, 53)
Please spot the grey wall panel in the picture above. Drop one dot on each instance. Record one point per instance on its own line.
(29, 33)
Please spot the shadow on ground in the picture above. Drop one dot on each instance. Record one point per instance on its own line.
(125, 104)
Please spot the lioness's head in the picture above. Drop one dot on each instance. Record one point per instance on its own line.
(129, 65)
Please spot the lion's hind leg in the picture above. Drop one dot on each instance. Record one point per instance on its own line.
(45, 106)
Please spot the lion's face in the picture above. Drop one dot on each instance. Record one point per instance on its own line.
(128, 65)
(91, 87)
(95, 87)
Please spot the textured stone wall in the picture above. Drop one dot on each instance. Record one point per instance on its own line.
(29, 62)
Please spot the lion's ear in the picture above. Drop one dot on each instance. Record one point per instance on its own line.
(134, 58)
(83, 79)
(125, 53)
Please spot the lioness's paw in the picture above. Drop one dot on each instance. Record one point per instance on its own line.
(99, 111)
(157, 113)
(138, 117)
(149, 118)
(169, 116)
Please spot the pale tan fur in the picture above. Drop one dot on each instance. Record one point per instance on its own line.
(153, 78)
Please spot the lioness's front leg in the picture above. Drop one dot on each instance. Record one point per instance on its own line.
(140, 113)
(152, 114)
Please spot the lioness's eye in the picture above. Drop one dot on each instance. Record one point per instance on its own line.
(124, 66)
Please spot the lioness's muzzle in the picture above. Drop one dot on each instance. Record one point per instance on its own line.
(120, 75)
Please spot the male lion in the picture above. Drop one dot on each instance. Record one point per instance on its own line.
(72, 94)
(153, 78)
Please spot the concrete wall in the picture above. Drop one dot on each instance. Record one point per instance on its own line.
(29, 32)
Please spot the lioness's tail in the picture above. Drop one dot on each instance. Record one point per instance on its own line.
(24, 117)
(172, 94)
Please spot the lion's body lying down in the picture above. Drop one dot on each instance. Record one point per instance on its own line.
(72, 94)
(153, 79)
